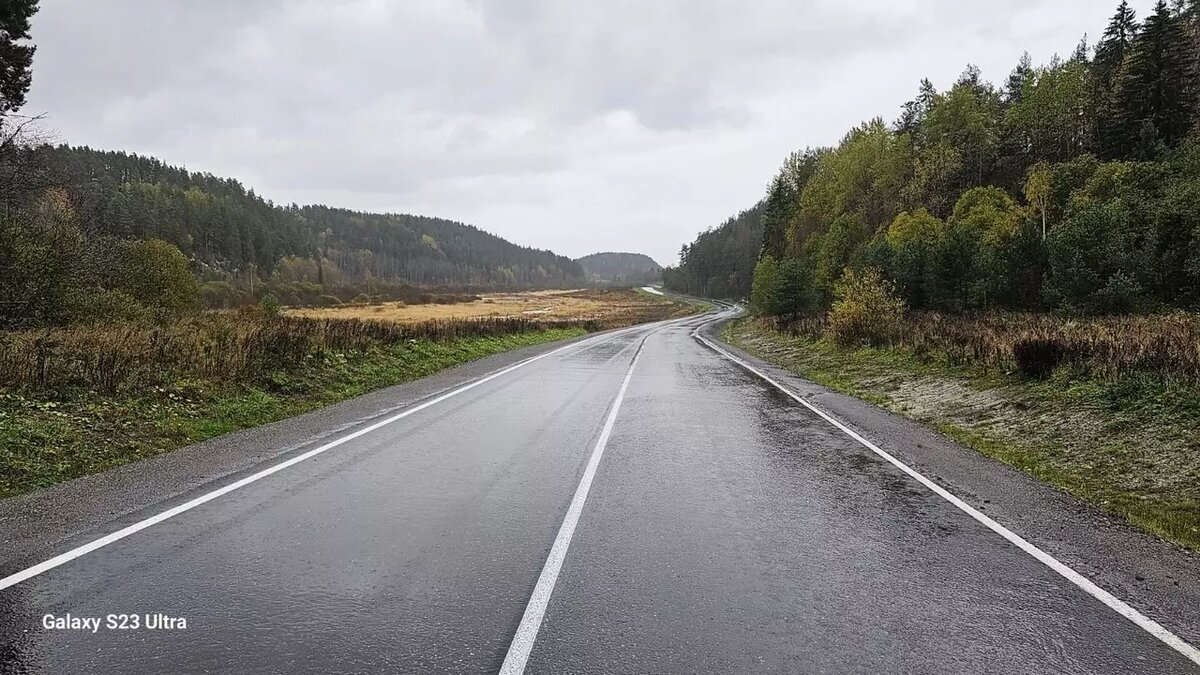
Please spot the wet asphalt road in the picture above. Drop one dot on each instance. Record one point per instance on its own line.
(727, 530)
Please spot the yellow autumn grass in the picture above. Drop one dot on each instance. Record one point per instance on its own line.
(548, 305)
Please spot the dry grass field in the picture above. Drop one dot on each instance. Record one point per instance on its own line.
(606, 306)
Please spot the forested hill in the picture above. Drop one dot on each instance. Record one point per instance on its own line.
(612, 267)
(720, 262)
(229, 232)
(1072, 185)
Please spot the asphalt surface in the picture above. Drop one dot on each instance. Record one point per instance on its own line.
(727, 529)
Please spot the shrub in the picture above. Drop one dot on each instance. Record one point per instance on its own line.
(1038, 357)
(866, 312)
(156, 274)
(271, 305)
(785, 289)
(220, 295)
(1122, 294)
(1096, 258)
(766, 285)
(96, 305)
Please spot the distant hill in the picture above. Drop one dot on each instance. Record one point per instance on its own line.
(615, 268)
(230, 233)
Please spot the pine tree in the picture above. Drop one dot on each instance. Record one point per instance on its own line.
(1115, 140)
(16, 57)
(1153, 94)
(1081, 51)
(914, 111)
(1187, 14)
(1014, 88)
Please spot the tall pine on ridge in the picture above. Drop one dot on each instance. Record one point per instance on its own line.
(1107, 69)
(1154, 109)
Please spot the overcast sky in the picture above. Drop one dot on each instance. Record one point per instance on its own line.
(575, 126)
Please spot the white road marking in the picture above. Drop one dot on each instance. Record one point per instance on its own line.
(531, 621)
(83, 550)
(1116, 604)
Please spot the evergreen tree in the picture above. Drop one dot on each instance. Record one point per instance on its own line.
(1081, 51)
(1107, 67)
(783, 199)
(1153, 95)
(16, 57)
(1187, 14)
(915, 112)
(1015, 86)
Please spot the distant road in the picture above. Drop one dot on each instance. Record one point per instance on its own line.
(635, 502)
(651, 289)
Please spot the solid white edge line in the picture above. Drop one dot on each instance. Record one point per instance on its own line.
(531, 621)
(61, 559)
(1113, 602)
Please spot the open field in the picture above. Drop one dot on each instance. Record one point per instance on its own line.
(81, 399)
(606, 306)
(1115, 422)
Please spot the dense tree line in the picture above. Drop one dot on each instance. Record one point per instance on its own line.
(620, 268)
(63, 233)
(222, 225)
(1074, 185)
(720, 262)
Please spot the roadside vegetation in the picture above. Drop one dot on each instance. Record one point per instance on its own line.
(1116, 423)
(88, 396)
(604, 305)
(105, 396)
(1016, 265)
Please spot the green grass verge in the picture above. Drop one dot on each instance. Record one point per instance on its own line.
(1129, 446)
(46, 440)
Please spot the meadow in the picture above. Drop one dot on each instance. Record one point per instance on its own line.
(617, 305)
(83, 398)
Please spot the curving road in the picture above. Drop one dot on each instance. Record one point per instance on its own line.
(634, 502)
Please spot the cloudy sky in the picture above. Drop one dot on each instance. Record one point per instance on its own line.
(575, 126)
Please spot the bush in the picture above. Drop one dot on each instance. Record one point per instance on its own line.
(220, 295)
(867, 311)
(156, 274)
(1096, 258)
(271, 305)
(765, 286)
(96, 305)
(1038, 357)
(782, 289)
(1122, 294)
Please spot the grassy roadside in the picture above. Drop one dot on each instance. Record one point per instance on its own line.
(46, 439)
(1128, 445)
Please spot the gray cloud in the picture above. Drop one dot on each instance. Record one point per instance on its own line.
(569, 125)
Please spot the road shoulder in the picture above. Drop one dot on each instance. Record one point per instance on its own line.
(1160, 579)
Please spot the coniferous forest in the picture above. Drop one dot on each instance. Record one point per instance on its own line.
(1072, 185)
(92, 222)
